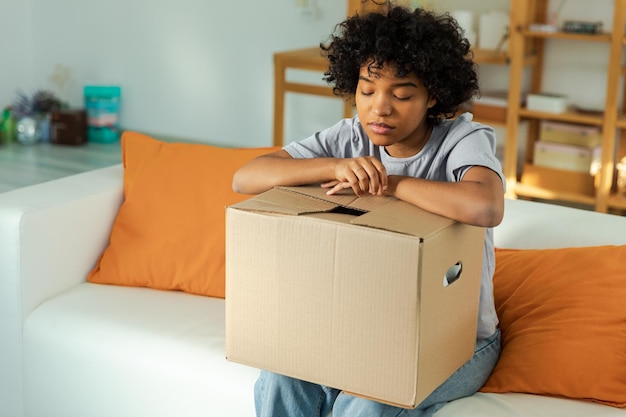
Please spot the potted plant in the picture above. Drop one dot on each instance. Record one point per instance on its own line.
(33, 116)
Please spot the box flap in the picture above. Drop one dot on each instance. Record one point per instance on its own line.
(387, 213)
(403, 217)
(283, 201)
(345, 198)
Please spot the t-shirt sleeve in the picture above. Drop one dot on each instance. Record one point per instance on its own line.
(477, 148)
(333, 142)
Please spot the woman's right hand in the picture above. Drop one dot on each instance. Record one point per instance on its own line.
(364, 174)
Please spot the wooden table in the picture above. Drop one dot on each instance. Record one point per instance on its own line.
(303, 59)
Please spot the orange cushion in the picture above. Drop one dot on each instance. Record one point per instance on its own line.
(563, 323)
(169, 233)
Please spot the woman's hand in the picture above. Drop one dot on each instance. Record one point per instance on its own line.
(365, 175)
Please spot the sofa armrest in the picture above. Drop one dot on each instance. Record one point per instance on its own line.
(51, 235)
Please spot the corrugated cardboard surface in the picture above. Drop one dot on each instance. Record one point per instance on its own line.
(359, 308)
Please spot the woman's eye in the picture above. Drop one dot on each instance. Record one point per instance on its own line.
(366, 93)
(402, 98)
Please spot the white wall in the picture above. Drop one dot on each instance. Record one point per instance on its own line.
(203, 70)
(16, 50)
(195, 69)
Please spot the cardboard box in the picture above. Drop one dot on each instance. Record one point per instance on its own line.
(349, 292)
(570, 133)
(569, 157)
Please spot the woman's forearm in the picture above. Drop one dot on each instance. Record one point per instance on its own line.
(279, 168)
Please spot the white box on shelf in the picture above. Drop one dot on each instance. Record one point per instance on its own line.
(551, 103)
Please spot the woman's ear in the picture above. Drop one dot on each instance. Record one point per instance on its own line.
(431, 101)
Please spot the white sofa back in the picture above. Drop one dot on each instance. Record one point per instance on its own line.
(533, 225)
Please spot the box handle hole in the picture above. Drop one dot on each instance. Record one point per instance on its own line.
(452, 274)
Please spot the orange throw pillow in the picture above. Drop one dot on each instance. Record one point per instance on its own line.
(563, 323)
(169, 233)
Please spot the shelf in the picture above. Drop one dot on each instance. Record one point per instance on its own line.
(490, 122)
(556, 184)
(311, 58)
(617, 201)
(600, 37)
(530, 191)
(568, 116)
(491, 56)
(306, 59)
(621, 121)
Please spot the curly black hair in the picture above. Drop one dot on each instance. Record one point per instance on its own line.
(416, 41)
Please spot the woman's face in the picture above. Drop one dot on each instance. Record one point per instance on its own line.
(393, 110)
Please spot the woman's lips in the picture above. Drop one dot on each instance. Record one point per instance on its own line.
(380, 128)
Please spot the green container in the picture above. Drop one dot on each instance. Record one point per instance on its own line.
(102, 105)
(7, 127)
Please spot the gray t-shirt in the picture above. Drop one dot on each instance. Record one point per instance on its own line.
(453, 148)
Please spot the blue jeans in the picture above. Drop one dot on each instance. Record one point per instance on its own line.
(281, 396)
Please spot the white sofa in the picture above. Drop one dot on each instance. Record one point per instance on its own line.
(71, 348)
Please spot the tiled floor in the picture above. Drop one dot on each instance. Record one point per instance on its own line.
(22, 165)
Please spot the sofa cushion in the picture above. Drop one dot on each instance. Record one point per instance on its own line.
(524, 405)
(563, 323)
(104, 350)
(169, 233)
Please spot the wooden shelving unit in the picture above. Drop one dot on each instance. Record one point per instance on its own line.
(554, 184)
(310, 59)
(526, 50)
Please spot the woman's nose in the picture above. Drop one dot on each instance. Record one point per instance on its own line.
(381, 105)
